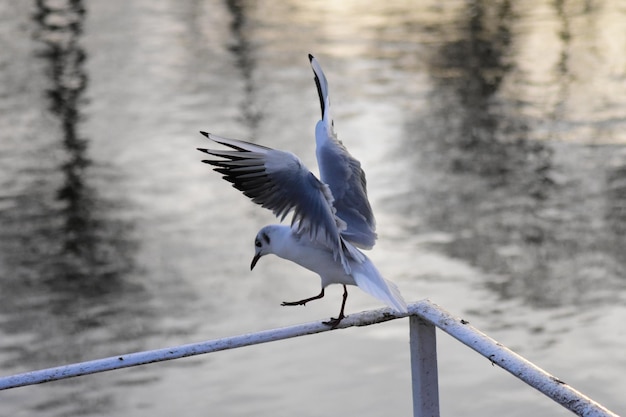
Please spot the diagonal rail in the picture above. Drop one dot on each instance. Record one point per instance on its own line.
(365, 318)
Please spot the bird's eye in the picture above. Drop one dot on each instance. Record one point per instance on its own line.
(257, 243)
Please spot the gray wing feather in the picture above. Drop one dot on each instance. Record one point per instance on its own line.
(279, 181)
(342, 173)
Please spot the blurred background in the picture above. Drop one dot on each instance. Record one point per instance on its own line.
(493, 136)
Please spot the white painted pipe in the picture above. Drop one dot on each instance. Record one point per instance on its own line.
(427, 311)
(521, 368)
(424, 375)
(141, 358)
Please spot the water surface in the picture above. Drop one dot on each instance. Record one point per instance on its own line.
(492, 134)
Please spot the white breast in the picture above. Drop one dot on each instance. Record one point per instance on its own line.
(315, 258)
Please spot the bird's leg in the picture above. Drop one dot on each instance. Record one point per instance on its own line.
(303, 302)
(334, 322)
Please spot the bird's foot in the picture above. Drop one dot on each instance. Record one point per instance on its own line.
(334, 322)
(303, 301)
(294, 303)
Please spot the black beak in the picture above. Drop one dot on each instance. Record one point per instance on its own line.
(256, 258)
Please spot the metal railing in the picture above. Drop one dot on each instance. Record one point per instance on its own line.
(424, 317)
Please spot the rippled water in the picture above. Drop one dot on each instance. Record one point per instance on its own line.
(493, 137)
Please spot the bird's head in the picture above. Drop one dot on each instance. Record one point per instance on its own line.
(262, 245)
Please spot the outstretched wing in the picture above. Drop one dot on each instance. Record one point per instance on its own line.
(279, 181)
(342, 173)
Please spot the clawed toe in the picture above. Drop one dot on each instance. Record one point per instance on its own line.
(333, 322)
(293, 303)
(304, 301)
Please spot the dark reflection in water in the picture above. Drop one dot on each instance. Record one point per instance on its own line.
(243, 51)
(616, 204)
(66, 258)
(501, 196)
(60, 30)
(487, 137)
(86, 251)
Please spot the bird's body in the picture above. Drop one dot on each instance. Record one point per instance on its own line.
(288, 244)
(331, 217)
(315, 258)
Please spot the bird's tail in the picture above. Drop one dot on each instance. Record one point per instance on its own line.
(375, 285)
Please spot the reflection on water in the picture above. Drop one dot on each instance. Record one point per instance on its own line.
(504, 197)
(498, 127)
(243, 51)
(60, 30)
(484, 133)
(83, 251)
(501, 176)
(64, 256)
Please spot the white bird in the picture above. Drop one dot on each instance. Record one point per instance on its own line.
(331, 217)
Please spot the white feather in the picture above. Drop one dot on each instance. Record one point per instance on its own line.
(378, 287)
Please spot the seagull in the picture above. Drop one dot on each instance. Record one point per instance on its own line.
(332, 217)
